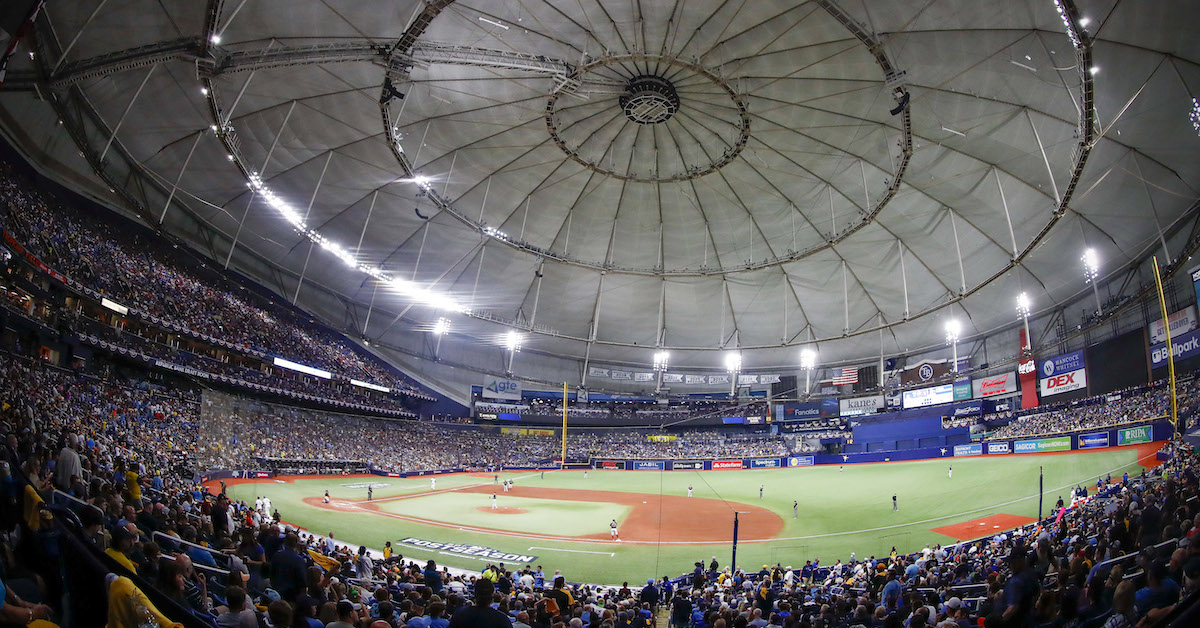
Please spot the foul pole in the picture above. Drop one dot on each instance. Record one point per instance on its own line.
(1162, 303)
(563, 463)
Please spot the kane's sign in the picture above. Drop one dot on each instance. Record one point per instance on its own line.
(479, 552)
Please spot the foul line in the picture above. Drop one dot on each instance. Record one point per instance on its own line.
(556, 549)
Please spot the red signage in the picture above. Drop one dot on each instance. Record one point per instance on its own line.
(393, 474)
(721, 465)
(1027, 372)
(611, 464)
(262, 474)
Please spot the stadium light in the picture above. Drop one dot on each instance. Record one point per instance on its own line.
(808, 362)
(512, 342)
(1091, 274)
(440, 328)
(953, 328)
(733, 362)
(660, 360)
(1023, 309)
(733, 366)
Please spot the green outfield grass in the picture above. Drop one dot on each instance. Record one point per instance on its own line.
(841, 511)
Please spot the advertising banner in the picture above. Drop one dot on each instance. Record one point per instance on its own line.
(595, 371)
(1061, 364)
(723, 465)
(801, 461)
(962, 389)
(495, 388)
(687, 465)
(1027, 372)
(1184, 346)
(1063, 382)
(1061, 443)
(672, 378)
(801, 411)
(764, 463)
(610, 464)
(997, 448)
(967, 409)
(1134, 435)
(649, 465)
(994, 385)
(643, 377)
(627, 375)
(861, 405)
(928, 396)
(718, 379)
(974, 449)
(1090, 441)
(1181, 322)
(744, 380)
(695, 379)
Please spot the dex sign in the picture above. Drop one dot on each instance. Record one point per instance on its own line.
(1062, 374)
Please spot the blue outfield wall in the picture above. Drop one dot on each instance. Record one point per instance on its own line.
(1083, 441)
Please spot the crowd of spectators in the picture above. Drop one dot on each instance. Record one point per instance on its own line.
(157, 282)
(1124, 555)
(1119, 408)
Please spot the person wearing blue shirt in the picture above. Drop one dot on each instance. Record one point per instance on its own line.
(1160, 590)
(539, 579)
(892, 591)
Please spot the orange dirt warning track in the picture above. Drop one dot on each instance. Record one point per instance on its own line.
(652, 518)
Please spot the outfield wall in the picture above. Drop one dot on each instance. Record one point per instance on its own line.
(1081, 441)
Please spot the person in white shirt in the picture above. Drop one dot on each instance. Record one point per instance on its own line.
(432, 483)
(526, 580)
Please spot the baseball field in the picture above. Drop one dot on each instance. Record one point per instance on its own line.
(561, 519)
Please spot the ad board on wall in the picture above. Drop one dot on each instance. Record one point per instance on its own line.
(1062, 373)
(993, 385)
(1061, 443)
(931, 396)
(857, 406)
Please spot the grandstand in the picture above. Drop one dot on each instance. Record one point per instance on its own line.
(445, 314)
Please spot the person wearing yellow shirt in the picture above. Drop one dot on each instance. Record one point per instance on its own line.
(122, 542)
(387, 551)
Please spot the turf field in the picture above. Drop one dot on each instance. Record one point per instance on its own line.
(563, 518)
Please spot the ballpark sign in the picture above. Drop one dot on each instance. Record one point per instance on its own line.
(477, 552)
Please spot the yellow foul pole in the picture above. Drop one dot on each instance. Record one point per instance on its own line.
(563, 464)
(1162, 303)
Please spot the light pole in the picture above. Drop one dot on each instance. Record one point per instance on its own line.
(733, 366)
(661, 359)
(953, 328)
(808, 361)
(1023, 309)
(512, 342)
(440, 328)
(1091, 273)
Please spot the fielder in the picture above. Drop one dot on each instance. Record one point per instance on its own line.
(433, 483)
(612, 531)
(494, 506)
(689, 490)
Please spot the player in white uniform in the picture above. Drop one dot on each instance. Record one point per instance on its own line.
(326, 500)
(267, 505)
(494, 506)
(432, 483)
(612, 531)
(689, 490)
(950, 473)
(258, 501)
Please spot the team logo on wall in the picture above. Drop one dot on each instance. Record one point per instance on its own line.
(925, 372)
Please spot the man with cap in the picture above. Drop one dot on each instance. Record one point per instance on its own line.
(481, 615)
(649, 595)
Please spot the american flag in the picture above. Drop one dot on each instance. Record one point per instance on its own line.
(844, 376)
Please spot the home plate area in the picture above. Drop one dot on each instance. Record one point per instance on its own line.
(985, 526)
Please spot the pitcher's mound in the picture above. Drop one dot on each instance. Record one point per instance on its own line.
(502, 510)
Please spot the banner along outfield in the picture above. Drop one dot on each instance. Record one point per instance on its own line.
(561, 520)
